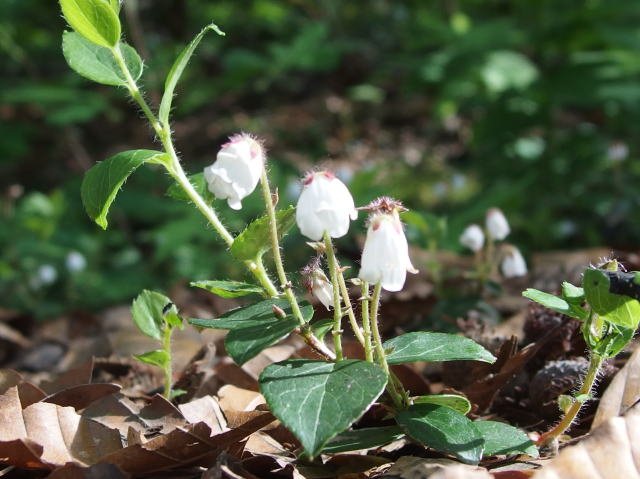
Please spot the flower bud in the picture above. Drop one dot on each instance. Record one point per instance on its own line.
(497, 224)
(317, 283)
(237, 169)
(324, 204)
(385, 257)
(473, 238)
(513, 264)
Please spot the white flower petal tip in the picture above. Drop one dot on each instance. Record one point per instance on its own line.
(513, 264)
(324, 204)
(237, 170)
(473, 238)
(497, 224)
(385, 257)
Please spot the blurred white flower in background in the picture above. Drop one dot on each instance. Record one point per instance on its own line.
(513, 263)
(75, 261)
(497, 225)
(473, 238)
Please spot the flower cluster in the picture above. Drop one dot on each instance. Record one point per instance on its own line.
(512, 263)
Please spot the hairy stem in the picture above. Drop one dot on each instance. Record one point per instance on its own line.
(337, 306)
(349, 307)
(392, 385)
(595, 363)
(167, 369)
(366, 322)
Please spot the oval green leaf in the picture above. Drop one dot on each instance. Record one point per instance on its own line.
(618, 309)
(425, 346)
(256, 327)
(199, 184)
(228, 289)
(97, 63)
(443, 429)
(365, 438)
(149, 310)
(95, 20)
(255, 240)
(103, 181)
(555, 303)
(158, 357)
(176, 71)
(454, 401)
(316, 400)
(501, 439)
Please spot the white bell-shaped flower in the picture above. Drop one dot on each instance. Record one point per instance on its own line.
(513, 264)
(497, 224)
(324, 204)
(237, 169)
(473, 238)
(385, 257)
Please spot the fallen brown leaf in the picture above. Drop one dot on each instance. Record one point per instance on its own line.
(207, 410)
(63, 435)
(612, 451)
(409, 467)
(73, 377)
(79, 397)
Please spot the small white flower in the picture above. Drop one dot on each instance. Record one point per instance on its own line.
(497, 224)
(324, 204)
(237, 169)
(45, 275)
(473, 238)
(75, 261)
(513, 264)
(385, 257)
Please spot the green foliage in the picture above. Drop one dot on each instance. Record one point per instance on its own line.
(256, 327)
(560, 305)
(254, 241)
(228, 289)
(96, 20)
(199, 184)
(364, 438)
(150, 313)
(618, 309)
(102, 182)
(444, 429)
(176, 72)
(426, 346)
(454, 401)
(502, 439)
(97, 63)
(308, 396)
(159, 357)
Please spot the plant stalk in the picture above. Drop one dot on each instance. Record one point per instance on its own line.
(366, 322)
(337, 306)
(595, 363)
(167, 369)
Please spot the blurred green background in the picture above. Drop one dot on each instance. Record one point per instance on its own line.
(532, 106)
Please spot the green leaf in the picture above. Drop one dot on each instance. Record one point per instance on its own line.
(321, 327)
(454, 401)
(95, 20)
(97, 63)
(501, 439)
(199, 184)
(149, 310)
(103, 181)
(256, 327)
(364, 438)
(555, 303)
(316, 400)
(618, 309)
(228, 289)
(115, 4)
(615, 339)
(425, 346)
(159, 357)
(176, 72)
(443, 429)
(255, 241)
(572, 294)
